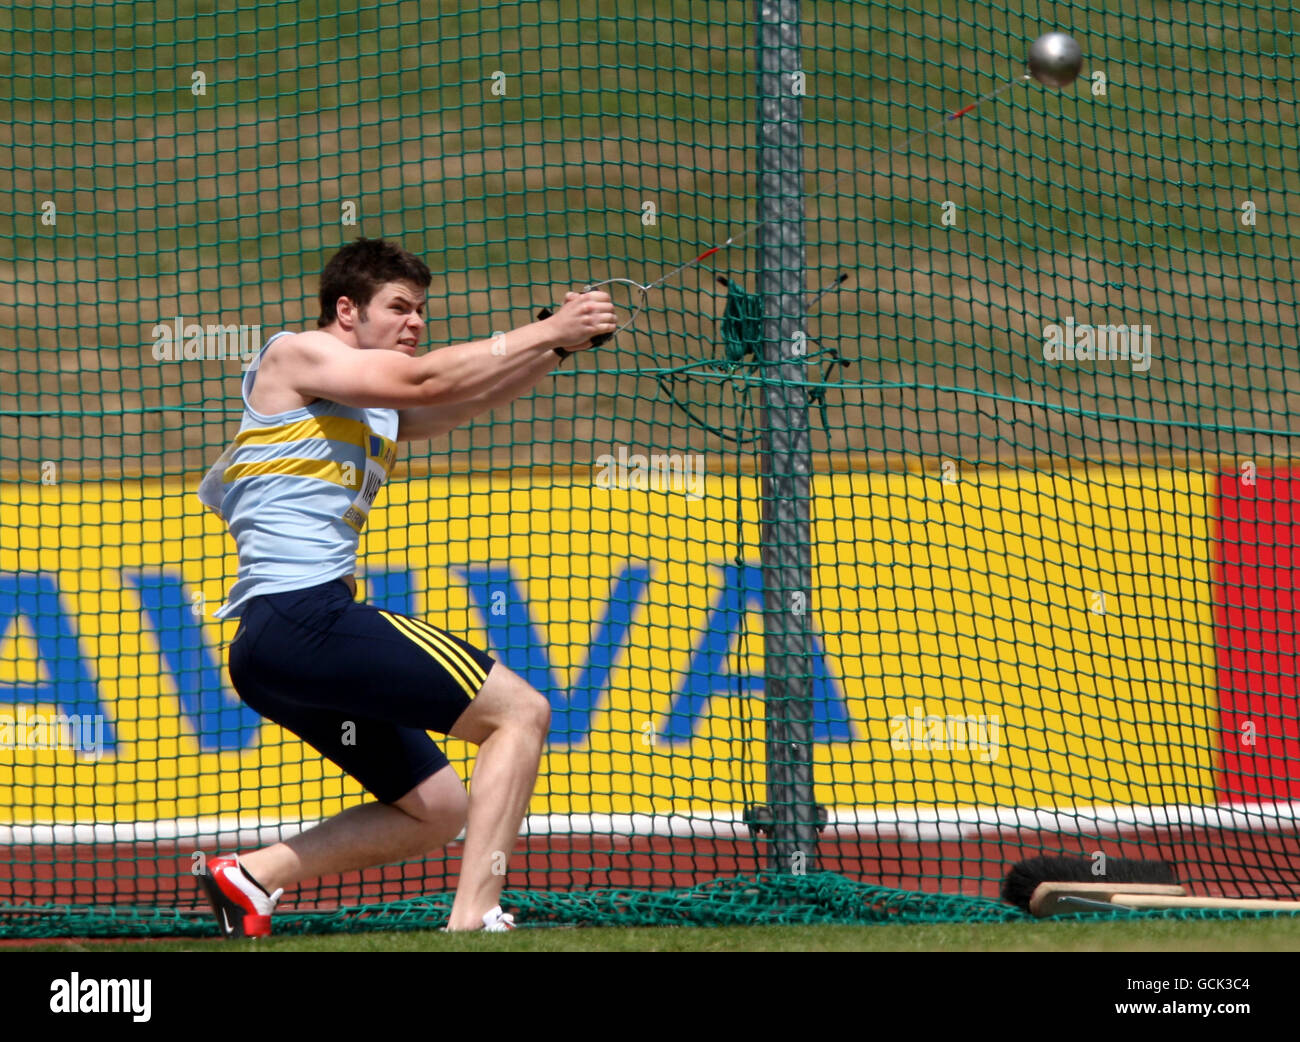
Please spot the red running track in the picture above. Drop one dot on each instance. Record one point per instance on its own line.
(1218, 862)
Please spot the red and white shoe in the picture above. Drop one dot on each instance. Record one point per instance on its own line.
(242, 907)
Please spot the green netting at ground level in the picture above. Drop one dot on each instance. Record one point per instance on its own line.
(764, 900)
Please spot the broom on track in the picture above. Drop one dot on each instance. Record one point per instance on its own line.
(1046, 886)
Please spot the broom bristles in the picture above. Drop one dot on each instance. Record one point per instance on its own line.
(1024, 877)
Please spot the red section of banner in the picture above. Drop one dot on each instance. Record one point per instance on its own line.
(1255, 607)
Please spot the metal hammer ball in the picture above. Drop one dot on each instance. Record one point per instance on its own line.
(1055, 59)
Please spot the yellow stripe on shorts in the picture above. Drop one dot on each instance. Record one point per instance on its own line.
(453, 667)
(472, 668)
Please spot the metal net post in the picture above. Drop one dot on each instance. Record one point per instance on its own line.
(787, 579)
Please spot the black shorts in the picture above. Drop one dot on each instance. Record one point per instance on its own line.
(358, 684)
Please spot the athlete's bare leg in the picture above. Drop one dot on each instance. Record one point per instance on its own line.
(427, 818)
(509, 721)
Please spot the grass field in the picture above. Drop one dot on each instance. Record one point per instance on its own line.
(1123, 204)
(1157, 935)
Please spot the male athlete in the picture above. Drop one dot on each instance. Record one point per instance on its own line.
(322, 413)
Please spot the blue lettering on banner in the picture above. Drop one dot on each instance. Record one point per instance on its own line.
(34, 596)
(221, 722)
(218, 719)
(514, 636)
(390, 589)
(707, 675)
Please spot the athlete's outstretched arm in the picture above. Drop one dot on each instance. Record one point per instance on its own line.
(442, 389)
(506, 381)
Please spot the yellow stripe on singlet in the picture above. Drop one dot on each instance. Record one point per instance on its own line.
(334, 428)
(324, 469)
(453, 669)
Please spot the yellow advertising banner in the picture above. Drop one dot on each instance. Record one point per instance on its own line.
(1005, 638)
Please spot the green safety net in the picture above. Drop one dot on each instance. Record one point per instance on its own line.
(1047, 370)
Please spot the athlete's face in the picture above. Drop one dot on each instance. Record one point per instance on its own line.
(394, 319)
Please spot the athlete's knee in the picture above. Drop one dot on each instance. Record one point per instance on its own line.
(519, 706)
(534, 710)
(507, 701)
(440, 802)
